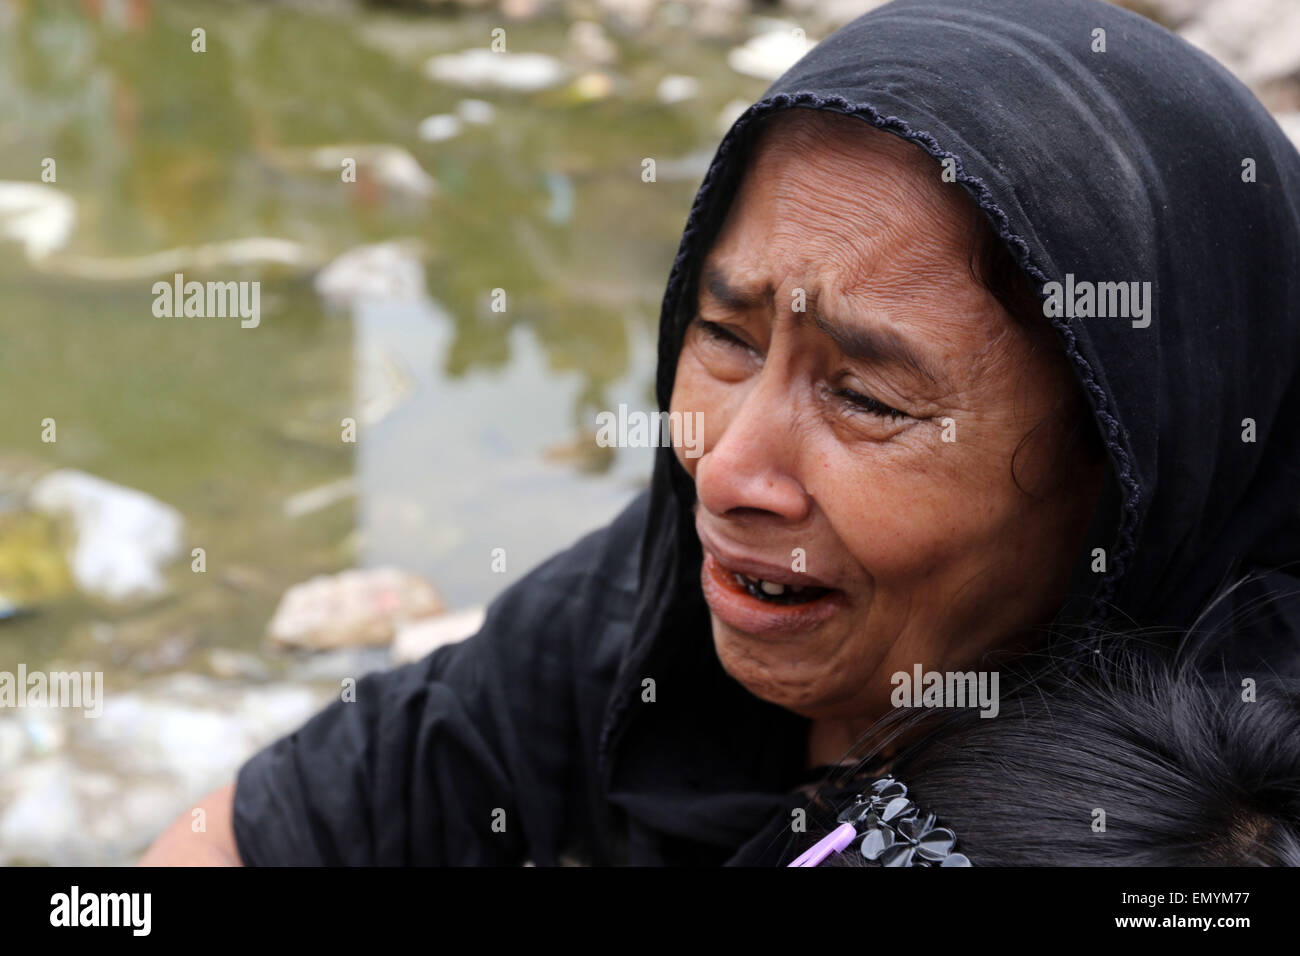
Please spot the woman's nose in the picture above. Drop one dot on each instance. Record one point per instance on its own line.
(751, 463)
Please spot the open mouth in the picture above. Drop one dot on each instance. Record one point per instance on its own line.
(773, 593)
(758, 606)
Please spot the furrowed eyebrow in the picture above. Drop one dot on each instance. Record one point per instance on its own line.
(722, 291)
(872, 346)
(869, 345)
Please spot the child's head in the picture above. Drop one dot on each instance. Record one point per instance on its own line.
(1132, 759)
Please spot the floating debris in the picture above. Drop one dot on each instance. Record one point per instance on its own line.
(482, 69)
(676, 88)
(770, 54)
(389, 165)
(388, 271)
(123, 536)
(171, 741)
(251, 253)
(37, 215)
(351, 609)
(439, 127)
(320, 497)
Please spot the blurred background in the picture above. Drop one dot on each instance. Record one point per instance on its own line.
(182, 504)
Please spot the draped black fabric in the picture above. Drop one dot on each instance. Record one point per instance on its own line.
(1147, 162)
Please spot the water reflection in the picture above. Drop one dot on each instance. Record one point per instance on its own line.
(225, 165)
(460, 466)
(475, 427)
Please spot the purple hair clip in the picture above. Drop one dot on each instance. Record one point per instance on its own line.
(894, 832)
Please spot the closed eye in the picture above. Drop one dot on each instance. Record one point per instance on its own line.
(868, 404)
(721, 333)
(856, 402)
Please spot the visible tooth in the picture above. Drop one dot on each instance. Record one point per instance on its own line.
(772, 589)
(740, 579)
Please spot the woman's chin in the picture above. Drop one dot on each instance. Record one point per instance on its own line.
(786, 672)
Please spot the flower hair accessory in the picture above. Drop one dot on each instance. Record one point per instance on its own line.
(894, 832)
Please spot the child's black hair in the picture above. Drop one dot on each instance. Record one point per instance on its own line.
(1185, 762)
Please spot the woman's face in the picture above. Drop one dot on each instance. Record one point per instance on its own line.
(862, 398)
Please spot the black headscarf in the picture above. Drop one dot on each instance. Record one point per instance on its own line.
(1131, 164)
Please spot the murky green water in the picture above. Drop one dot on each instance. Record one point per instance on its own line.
(162, 147)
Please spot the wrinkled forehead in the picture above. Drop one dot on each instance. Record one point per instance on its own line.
(822, 194)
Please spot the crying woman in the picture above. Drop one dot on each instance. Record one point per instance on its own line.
(909, 458)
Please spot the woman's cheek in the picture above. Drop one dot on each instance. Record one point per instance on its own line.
(695, 390)
(900, 515)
